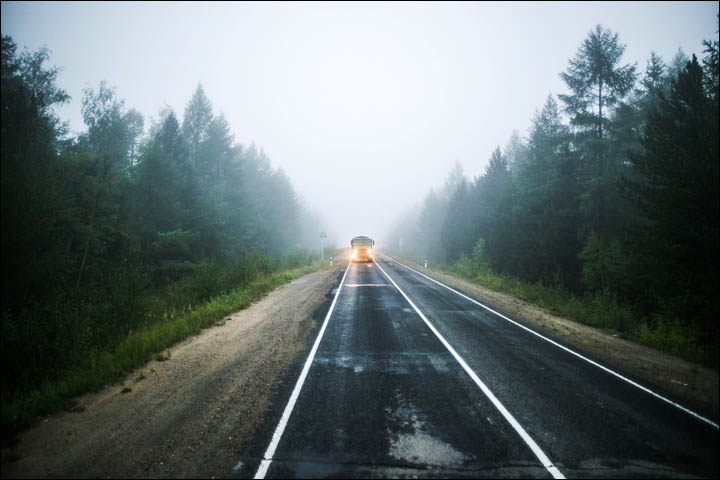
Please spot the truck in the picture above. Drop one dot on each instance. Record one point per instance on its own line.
(362, 249)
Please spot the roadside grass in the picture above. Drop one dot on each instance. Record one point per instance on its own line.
(602, 310)
(100, 368)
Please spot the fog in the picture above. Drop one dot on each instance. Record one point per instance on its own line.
(364, 106)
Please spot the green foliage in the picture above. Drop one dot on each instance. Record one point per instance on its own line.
(610, 218)
(672, 335)
(676, 195)
(427, 238)
(456, 228)
(116, 231)
(601, 309)
(595, 78)
(473, 266)
(96, 365)
(601, 262)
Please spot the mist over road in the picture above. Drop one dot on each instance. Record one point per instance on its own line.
(391, 394)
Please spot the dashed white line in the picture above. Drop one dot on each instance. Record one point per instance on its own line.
(280, 429)
(578, 355)
(544, 460)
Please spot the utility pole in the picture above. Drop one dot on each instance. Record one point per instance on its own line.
(323, 236)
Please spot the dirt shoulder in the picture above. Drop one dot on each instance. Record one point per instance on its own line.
(191, 415)
(696, 386)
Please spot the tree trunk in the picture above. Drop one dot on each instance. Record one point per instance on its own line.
(600, 129)
(87, 247)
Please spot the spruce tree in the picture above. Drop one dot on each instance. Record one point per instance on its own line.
(676, 194)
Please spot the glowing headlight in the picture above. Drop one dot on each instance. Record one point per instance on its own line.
(370, 251)
(354, 250)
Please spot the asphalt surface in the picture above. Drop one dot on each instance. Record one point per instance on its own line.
(384, 397)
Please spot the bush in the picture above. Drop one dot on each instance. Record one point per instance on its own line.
(42, 342)
(601, 309)
(51, 353)
(670, 335)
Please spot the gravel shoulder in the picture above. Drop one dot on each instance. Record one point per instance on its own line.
(697, 387)
(192, 415)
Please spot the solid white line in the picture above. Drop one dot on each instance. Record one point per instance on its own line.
(592, 362)
(544, 460)
(270, 452)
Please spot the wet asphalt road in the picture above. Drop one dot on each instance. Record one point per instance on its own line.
(384, 397)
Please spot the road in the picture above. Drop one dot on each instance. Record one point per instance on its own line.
(409, 378)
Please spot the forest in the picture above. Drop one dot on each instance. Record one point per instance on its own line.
(606, 211)
(106, 232)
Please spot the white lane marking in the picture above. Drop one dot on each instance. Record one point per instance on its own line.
(544, 460)
(270, 452)
(592, 362)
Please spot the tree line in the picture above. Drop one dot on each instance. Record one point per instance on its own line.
(614, 191)
(105, 232)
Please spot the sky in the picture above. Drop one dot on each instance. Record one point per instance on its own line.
(365, 106)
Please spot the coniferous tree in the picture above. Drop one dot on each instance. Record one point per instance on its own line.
(488, 199)
(654, 80)
(677, 63)
(197, 118)
(548, 196)
(597, 80)
(456, 231)
(430, 222)
(675, 246)
(598, 83)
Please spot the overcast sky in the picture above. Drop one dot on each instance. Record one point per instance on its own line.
(365, 106)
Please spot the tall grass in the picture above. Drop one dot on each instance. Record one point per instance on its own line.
(183, 308)
(662, 330)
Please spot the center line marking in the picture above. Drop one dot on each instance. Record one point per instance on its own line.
(544, 460)
(280, 429)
